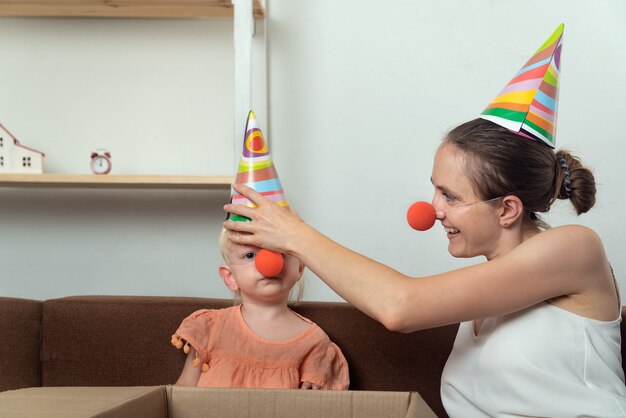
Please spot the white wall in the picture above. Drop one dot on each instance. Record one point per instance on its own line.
(159, 95)
(360, 93)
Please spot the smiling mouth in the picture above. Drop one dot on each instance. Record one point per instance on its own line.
(450, 230)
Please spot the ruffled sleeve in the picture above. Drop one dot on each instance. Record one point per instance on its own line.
(193, 331)
(326, 367)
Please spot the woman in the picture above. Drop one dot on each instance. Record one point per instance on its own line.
(537, 306)
(540, 318)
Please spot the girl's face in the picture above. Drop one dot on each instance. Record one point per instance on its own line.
(241, 275)
(472, 229)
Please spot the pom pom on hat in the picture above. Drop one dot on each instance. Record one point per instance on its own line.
(528, 104)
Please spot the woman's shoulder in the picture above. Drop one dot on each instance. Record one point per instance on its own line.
(572, 237)
(572, 247)
(573, 229)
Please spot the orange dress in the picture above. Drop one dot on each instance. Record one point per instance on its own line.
(233, 356)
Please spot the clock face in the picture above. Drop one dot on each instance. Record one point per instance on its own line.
(100, 164)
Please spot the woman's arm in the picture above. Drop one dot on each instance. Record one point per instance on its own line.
(280, 229)
(551, 264)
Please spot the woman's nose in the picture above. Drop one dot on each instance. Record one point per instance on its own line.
(439, 213)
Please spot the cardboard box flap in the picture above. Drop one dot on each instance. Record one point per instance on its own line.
(185, 402)
(70, 402)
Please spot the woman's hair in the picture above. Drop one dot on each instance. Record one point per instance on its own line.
(501, 162)
(224, 245)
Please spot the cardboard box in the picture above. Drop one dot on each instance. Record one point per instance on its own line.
(185, 402)
(74, 402)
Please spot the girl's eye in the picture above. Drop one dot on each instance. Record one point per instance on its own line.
(249, 256)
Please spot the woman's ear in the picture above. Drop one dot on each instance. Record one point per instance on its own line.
(227, 277)
(511, 210)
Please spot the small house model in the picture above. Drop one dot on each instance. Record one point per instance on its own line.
(16, 158)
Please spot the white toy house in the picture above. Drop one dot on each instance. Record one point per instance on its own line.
(16, 158)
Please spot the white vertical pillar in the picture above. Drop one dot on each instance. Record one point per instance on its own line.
(259, 77)
(243, 33)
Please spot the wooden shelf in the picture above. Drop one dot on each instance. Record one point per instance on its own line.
(130, 9)
(116, 181)
(125, 8)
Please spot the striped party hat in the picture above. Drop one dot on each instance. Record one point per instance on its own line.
(256, 169)
(528, 104)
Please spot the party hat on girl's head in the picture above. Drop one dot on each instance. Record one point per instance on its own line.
(528, 104)
(256, 169)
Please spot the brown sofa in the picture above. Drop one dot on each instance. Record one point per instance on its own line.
(125, 341)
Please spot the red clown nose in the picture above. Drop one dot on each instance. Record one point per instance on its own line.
(421, 216)
(269, 263)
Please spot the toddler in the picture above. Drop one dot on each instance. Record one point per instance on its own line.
(260, 342)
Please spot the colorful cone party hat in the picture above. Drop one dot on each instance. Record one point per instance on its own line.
(256, 169)
(528, 104)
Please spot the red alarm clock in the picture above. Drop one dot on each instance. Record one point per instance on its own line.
(100, 162)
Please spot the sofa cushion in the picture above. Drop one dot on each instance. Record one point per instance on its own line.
(114, 340)
(381, 360)
(20, 327)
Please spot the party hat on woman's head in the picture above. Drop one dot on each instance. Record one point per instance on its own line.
(256, 169)
(528, 104)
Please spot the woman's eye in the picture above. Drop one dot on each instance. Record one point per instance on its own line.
(448, 197)
(249, 256)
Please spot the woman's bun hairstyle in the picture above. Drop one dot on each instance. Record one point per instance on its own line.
(574, 182)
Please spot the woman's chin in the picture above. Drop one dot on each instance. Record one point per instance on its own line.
(457, 252)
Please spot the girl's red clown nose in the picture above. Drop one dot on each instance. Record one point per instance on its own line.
(269, 263)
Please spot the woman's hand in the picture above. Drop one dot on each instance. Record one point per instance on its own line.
(272, 227)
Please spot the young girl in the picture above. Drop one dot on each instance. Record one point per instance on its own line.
(540, 319)
(260, 343)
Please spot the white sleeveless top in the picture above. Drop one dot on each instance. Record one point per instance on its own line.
(540, 362)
